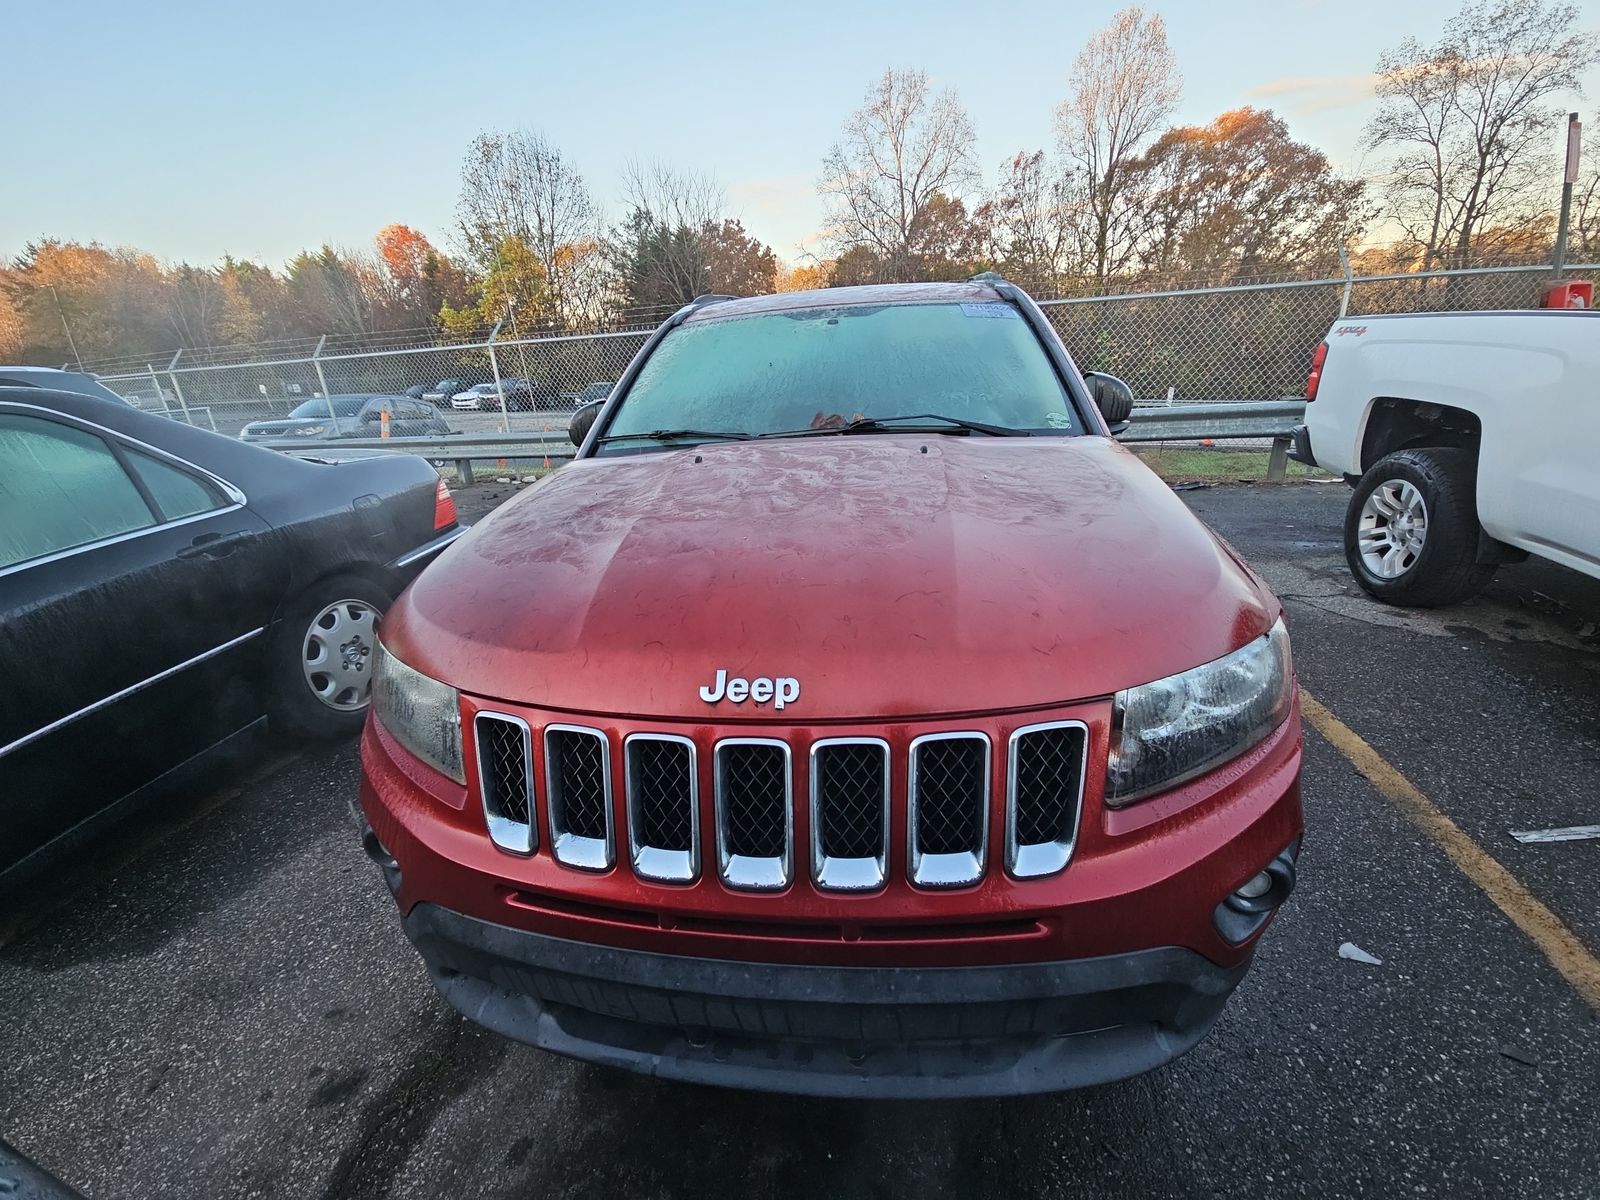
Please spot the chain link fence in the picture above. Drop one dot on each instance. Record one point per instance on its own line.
(1255, 342)
(518, 386)
(1240, 343)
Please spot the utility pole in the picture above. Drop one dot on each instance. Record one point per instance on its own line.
(73, 342)
(1574, 149)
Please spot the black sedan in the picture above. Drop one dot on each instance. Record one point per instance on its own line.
(165, 592)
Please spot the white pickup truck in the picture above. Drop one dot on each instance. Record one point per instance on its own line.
(1471, 439)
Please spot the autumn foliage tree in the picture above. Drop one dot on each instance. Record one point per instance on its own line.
(520, 185)
(416, 279)
(1240, 197)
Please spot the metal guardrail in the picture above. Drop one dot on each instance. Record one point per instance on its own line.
(1273, 419)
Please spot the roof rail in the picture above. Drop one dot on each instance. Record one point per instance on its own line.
(987, 277)
(709, 298)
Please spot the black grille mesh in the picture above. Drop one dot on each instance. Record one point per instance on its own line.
(663, 794)
(1049, 762)
(949, 782)
(754, 798)
(850, 800)
(579, 761)
(503, 759)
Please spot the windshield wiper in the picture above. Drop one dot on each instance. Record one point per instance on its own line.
(678, 435)
(898, 425)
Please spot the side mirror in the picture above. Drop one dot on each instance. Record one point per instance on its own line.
(583, 421)
(1112, 396)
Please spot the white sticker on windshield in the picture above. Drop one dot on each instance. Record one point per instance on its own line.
(991, 309)
(1058, 420)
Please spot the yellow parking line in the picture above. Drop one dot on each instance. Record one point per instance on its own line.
(1555, 941)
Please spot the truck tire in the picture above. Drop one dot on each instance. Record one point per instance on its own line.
(321, 658)
(1411, 531)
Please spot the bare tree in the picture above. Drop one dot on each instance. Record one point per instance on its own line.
(1124, 83)
(1031, 221)
(662, 251)
(519, 185)
(903, 147)
(1469, 127)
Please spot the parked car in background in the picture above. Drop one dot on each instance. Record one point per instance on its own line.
(354, 416)
(165, 590)
(854, 716)
(524, 395)
(471, 399)
(1471, 440)
(590, 393)
(439, 394)
(417, 391)
(595, 391)
(65, 381)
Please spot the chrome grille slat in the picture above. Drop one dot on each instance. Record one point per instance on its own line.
(849, 813)
(578, 796)
(663, 807)
(1044, 796)
(947, 808)
(755, 813)
(505, 780)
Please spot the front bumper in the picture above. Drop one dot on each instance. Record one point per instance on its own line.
(863, 1032)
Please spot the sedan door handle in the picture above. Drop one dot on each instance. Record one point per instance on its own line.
(217, 545)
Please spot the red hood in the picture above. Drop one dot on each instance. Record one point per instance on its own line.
(891, 575)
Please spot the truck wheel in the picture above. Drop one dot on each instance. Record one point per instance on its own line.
(1411, 532)
(322, 658)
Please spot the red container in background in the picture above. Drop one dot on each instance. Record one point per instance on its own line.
(1574, 293)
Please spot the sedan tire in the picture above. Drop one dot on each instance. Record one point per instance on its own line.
(1411, 531)
(322, 655)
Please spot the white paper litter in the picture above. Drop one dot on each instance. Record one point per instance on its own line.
(1571, 833)
(1356, 954)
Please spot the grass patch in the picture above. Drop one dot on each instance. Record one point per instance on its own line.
(1204, 464)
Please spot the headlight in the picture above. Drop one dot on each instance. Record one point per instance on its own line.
(423, 714)
(309, 430)
(1165, 732)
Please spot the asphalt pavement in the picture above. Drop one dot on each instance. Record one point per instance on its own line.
(222, 1003)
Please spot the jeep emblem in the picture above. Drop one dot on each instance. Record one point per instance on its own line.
(783, 690)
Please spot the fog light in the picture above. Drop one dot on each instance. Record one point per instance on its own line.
(1254, 889)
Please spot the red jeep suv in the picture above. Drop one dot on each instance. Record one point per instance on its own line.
(853, 717)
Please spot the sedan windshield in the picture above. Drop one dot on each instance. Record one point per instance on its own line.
(343, 406)
(824, 368)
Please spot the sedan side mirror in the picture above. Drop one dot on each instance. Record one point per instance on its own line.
(583, 421)
(1112, 397)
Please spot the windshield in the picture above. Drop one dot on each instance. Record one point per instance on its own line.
(817, 368)
(343, 406)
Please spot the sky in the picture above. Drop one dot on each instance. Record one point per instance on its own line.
(193, 129)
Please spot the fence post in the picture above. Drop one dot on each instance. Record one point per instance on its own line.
(1569, 176)
(1278, 460)
(1344, 297)
(176, 389)
(161, 392)
(327, 396)
(494, 365)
